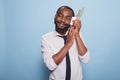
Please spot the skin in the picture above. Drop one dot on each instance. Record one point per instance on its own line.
(62, 20)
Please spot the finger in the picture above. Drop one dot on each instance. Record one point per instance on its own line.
(70, 31)
(77, 24)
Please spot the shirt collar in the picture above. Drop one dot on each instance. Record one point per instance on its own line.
(58, 34)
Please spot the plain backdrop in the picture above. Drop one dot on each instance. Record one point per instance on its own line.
(23, 22)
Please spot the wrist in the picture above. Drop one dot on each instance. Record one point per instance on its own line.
(68, 45)
(77, 34)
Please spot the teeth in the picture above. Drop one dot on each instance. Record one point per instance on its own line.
(62, 24)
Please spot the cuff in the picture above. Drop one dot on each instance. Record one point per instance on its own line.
(85, 58)
(52, 65)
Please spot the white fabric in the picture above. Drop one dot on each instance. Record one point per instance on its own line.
(51, 44)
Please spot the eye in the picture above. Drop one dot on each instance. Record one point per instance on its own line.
(59, 15)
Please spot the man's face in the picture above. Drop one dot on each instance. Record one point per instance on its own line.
(62, 19)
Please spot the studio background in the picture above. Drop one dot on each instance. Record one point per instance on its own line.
(23, 22)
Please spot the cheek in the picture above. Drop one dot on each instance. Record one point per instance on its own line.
(68, 22)
(57, 19)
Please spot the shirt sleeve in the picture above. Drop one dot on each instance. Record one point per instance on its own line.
(47, 53)
(86, 57)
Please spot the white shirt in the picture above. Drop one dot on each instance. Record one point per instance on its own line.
(51, 43)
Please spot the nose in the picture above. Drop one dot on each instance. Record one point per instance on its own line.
(63, 19)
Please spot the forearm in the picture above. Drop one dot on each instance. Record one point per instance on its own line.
(80, 45)
(58, 57)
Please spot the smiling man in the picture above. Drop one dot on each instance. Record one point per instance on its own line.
(63, 49)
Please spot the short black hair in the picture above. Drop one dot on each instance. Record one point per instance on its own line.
(67, 8)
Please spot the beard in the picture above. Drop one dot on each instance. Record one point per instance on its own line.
(61, 30)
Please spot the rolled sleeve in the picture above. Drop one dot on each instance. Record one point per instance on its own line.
(85, 58)
(50, 64)
(47, 53)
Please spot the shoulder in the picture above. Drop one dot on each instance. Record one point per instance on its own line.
(48, 35)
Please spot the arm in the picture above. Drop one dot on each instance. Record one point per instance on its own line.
(58, 57)
(82, 50)
(47, 53)
(52, 59)
(80, 45)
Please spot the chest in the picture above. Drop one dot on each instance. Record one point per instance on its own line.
(57, 43)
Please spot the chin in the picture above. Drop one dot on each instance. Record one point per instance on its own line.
(62, 30)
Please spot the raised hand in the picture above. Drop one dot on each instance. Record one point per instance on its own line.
(77, 26)
(70, 36)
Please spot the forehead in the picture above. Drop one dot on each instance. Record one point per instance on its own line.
(65, 11)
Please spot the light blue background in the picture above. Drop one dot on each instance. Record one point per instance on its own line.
(23, 22)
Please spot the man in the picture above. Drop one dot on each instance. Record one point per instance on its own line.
(63, 49)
